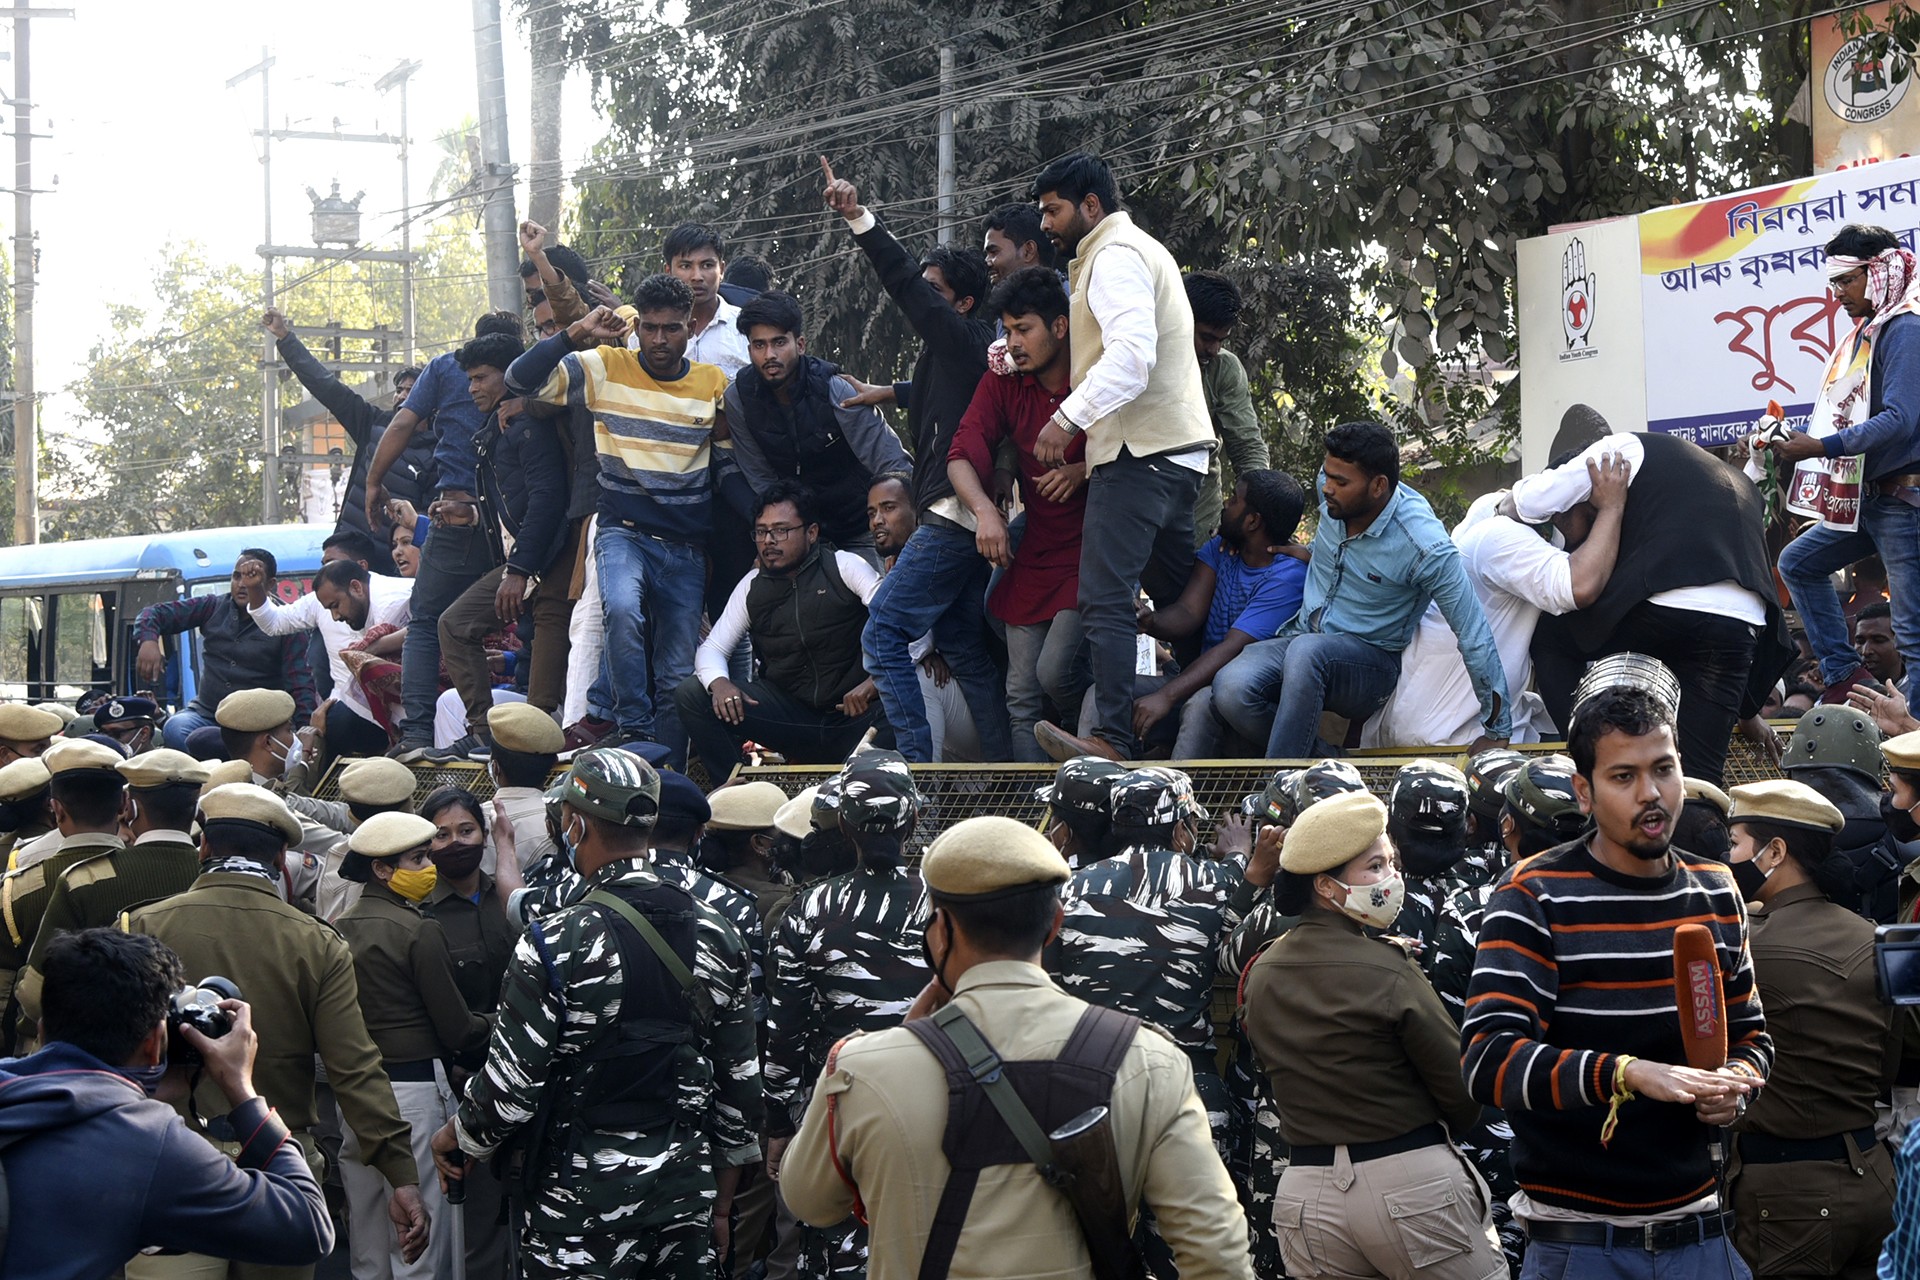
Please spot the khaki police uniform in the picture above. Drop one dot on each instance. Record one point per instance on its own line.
(1364, 1065)
(297, 975)
(878, 1111)
(24, 895)
(1812, 1186)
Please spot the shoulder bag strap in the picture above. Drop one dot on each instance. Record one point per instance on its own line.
(1100, 1039)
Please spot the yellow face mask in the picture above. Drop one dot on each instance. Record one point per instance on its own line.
(414, 886)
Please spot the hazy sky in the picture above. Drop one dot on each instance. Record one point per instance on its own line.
(150, 146)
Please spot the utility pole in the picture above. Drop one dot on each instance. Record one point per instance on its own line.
(398, 78)
(946, 144)
(496, 178)
(269, 386)
(26, 409)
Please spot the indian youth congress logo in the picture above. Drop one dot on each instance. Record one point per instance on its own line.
(1860, 84)
(1576, 303)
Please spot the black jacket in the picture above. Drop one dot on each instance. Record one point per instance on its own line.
(953, 356)
(410, 478)
(523, 484)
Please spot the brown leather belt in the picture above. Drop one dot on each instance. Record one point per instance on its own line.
(1890, 485)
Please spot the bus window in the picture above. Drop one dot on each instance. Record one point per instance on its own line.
(79, 631)
(22, 653)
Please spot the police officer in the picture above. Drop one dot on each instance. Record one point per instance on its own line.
(162, 790)
(26, 731)
(1701, 825)
(1427, 823)
(1812, 1184)
(878, 1132)
(368, 786)
(622, 1067)
(297, 975)
(480, 943)
(257, 727)
(25, 815)
(1836, 751)
(86, 792)
(1487, 774)
(128, 721)
(684, 813)
(527, 745)
(1285, 801)
(738, 847)
(847, 957)
(1365, 1069)
(417, 1017)
(1079, 805)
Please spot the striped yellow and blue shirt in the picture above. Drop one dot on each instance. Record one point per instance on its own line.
(655, 437)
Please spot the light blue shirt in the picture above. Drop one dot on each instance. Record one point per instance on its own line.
(1375, 585)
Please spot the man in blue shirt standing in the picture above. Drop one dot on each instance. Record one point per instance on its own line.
(1871, 275)
(1379, 556)
(458, 552)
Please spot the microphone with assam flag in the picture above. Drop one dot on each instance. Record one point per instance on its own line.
(1702, 1001)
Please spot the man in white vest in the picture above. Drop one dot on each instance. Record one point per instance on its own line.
(1138, 396)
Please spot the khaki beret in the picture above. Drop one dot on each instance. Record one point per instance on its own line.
(254, 710)
(377, 780)
(388, 835)
(76, 755)
(1333, 832)
(751, 806)
(1697, 789)
(22, 778)
(795, 817)
(989, 857)
(1902, 752)
(22, 723)
(523, 727)
(1788, 803)
(66, 713)
(163, 768)
(255, 806)
(219, 775)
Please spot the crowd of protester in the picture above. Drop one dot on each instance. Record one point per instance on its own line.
(611, 1021)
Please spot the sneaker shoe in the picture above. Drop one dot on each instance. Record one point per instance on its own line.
(471, 747)
(1064, 746)
(407, 752)
(585, 732)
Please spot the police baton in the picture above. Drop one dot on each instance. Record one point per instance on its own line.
(457, 1214)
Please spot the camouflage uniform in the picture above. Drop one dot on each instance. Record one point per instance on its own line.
(600, 1201)
(846, 958)
(734, 904)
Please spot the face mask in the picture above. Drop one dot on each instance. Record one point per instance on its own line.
(459, 860)
(1900, 822)
(283, 752)
(1377, 904)
(570, 843)
(414, 886)
(148, 1078)
(926, 953)
(1748, 877)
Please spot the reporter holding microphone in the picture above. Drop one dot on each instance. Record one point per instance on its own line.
(1573, 1019)
(1812, 1186)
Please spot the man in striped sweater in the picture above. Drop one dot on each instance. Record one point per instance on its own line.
(1573, 1027)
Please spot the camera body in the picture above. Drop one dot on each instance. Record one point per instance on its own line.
(198, 1007)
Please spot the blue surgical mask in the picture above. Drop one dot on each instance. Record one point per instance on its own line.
(570, 844)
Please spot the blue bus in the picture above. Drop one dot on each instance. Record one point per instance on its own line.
(67, 608)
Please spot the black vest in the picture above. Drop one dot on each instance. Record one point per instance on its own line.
(236, 654)
(803, 441)
(1691, 521)
(806, 631)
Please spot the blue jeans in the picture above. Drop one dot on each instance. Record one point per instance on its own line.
(1276, 689)
(1046, 663)
(938, 584)
(1887, 526)
(1706, 1260)
(651, 594)
(454, 558)
(179, 725)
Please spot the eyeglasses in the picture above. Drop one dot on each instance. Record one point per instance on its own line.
(1848, 280)
(775, 533)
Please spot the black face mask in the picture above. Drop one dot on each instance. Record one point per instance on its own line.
(1901, 824)
(938, 970)
(458, 861)
(1748, 877)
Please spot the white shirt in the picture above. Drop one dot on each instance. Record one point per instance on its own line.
(1120, 295)
(1540, 497)
(1518, 575)
(389, 600)
(710, 659)
(721, 343)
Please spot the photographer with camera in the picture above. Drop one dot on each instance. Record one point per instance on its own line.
(96, 1169)
(300, 976)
